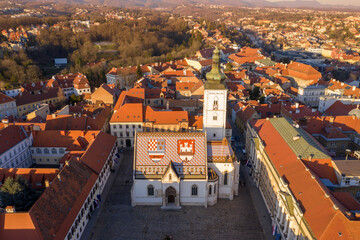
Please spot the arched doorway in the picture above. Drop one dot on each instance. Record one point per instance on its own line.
(128, 143)
(170, 194)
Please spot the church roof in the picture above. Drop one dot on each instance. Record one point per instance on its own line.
(155, 150)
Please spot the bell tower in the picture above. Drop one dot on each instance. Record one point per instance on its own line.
(215, 96)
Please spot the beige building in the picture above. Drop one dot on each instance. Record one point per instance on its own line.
(27, 102)
(299, 205)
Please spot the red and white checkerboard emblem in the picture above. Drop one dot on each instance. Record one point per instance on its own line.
(186, 149)
(156, 149)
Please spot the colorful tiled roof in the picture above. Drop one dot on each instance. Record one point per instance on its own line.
(147, 142)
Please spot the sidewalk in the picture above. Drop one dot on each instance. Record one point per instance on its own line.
(262, 212)
(96, 212)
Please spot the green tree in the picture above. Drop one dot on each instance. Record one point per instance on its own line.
(17, 192)
(139, 73)
(75, 99)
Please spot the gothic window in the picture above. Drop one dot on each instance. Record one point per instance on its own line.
(225, 178)
(215, 117)
(210, 190)
(214, 189)
(150, 190)
(194, 190)
(216, 104)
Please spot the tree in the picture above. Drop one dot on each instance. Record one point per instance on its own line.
(17, 192)
(139, 73)
(255, 93)
(75, 99)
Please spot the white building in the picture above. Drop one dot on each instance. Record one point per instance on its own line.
(215, 102)
(185, 168)
(311, 94)
(175, 168)
(12, 92)
(7, 106)
(14, 147)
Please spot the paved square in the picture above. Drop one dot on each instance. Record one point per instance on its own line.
(235, 219)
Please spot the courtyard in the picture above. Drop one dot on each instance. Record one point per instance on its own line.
(235, 219)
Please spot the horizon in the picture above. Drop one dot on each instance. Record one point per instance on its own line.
(326, 2)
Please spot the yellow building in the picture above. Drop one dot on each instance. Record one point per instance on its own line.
(27, 101)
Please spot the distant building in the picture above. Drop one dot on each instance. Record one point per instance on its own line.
(7, 106)
(14, 147)
(60, 62)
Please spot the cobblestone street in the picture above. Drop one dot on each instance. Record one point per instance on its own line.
(235, 219)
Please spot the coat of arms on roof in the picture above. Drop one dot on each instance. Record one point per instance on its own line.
(186, 149)
(156, 149)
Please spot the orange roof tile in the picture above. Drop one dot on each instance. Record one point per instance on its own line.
(165, 117)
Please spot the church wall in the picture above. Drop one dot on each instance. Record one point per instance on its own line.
(226, 191)
(185, 192)
(139, 192)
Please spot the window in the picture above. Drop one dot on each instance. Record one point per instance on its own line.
(210, 190)
(46, 151)
(358, 194)
(61, 150)
(347, 181)
(214, 189)
(170, 177)
(194, 190)
(216, 104)
(54, 151)
(215, 117)
(150, 190)
(225, 178)
(38, 150)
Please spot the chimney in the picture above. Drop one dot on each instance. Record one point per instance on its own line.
(59, 177)
(296, 105)
(354, 88)
(10, 209)
(47, 183)
(167, 105)
(53, 115)
(184, 72)
(331, 120)
(313, 110)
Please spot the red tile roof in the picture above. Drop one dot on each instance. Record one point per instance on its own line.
(339, 109)
(324, 221)
(98, 151)
(165, 117)
(302, 71)
(57, 208)
(11, 136)
(5, 99)
(129, 112)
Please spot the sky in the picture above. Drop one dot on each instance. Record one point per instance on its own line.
(332, 2)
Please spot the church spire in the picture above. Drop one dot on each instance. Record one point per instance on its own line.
(215, 76)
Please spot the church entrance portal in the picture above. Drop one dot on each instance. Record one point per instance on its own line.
(170, 194)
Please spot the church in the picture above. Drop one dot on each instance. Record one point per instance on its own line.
(172, 169)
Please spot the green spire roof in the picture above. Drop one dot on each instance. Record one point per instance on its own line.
(215, 77)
